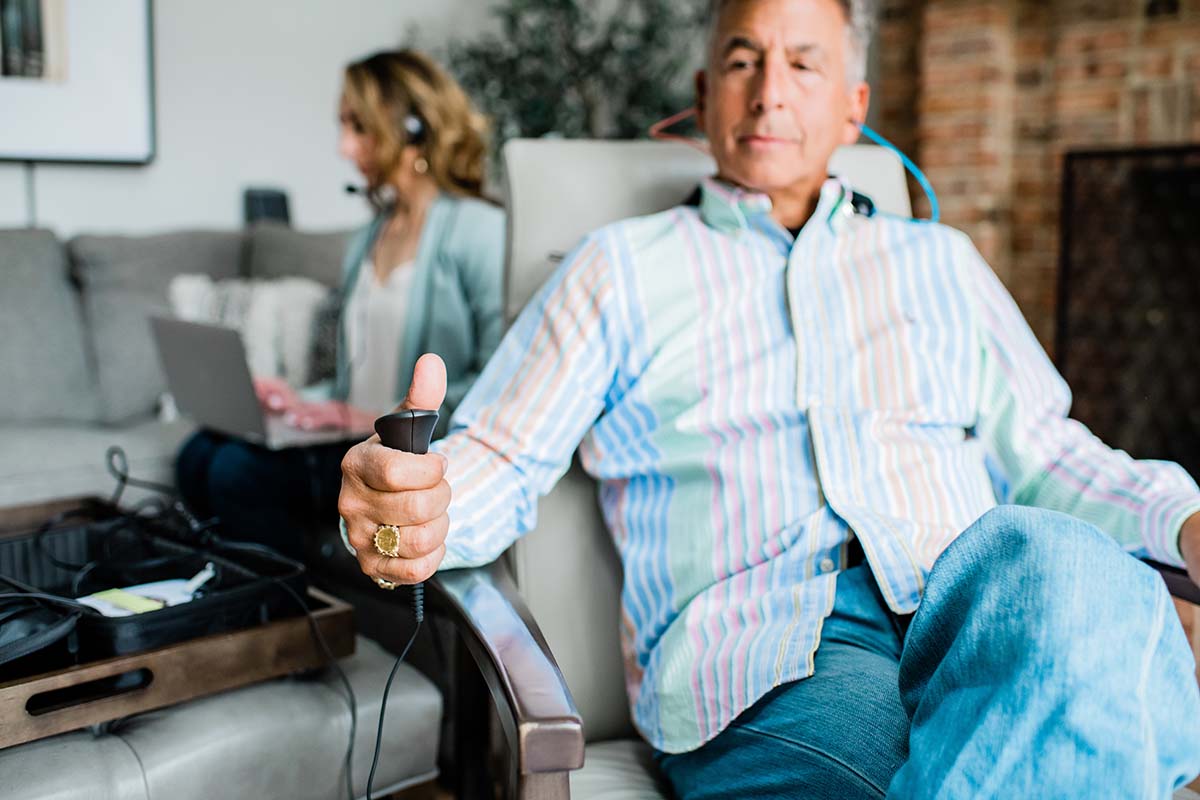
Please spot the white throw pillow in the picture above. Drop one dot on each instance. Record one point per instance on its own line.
(277, 318)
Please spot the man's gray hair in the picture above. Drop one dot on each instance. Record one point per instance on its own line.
(860, 27)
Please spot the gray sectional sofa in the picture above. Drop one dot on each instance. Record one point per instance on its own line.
(79, 373)
(77, 363)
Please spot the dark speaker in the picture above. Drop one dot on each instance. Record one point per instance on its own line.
(266, 205)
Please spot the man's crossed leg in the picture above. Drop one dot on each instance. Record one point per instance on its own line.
(1042, 662)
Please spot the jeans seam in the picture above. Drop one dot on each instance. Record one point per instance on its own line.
(803, 746)
(1149, 745)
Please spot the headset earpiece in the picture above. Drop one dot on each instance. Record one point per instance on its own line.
(414, 129)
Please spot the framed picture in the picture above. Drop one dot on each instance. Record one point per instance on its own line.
(77, 81)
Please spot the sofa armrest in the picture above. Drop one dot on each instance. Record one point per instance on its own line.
(539, 718)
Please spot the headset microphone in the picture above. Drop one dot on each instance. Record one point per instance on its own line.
(414, 131)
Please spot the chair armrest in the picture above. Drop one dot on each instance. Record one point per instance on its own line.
(1178, 582)
(539, 718)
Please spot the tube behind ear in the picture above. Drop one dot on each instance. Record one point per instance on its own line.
(659, 131)
(935, 212)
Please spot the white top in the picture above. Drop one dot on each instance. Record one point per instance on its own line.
(375, 317)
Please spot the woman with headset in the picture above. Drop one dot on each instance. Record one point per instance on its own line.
(423, 276)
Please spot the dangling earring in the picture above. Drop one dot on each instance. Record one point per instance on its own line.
(421, 166)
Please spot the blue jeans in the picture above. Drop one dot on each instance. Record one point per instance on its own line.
(1043, 662)
(271, 497)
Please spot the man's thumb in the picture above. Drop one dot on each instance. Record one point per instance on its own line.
(428, 387)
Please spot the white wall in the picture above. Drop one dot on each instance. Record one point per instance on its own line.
(246, 94)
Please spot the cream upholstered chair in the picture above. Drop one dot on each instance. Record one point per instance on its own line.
(543, 626)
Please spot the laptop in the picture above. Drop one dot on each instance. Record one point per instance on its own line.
(208, 375)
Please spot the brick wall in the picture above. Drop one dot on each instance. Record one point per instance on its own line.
(988, 96)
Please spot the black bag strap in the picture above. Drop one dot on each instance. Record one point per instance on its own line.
(43, 638)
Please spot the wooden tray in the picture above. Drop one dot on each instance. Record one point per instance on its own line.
(55, 702)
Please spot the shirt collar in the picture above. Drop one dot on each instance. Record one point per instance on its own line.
(730, 209)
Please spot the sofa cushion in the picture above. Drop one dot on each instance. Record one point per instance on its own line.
(43, 366)
(277, 251)
(124, 281)
(73, 766)
(46, 462)
(287, 738)
(283, 739)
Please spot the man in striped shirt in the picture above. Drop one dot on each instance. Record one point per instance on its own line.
(803, 417)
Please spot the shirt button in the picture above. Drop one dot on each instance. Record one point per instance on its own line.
(826, 565)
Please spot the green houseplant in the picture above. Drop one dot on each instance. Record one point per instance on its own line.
(582, 68)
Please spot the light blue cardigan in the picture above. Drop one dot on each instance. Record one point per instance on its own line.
(455, 310)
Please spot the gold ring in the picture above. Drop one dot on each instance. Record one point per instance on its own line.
(384, 583)
(387, 541)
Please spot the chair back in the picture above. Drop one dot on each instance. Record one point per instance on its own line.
(558, 191)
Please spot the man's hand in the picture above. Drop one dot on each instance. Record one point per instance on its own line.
(382, 486)
(275, 394)
(1189, 545)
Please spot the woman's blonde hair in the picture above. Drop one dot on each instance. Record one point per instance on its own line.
(383, 90)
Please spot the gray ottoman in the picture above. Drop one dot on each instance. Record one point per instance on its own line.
(283, 739)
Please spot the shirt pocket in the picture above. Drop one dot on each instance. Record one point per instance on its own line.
(909, 353)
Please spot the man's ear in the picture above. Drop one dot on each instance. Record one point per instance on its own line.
(701, 83)
(860, 101)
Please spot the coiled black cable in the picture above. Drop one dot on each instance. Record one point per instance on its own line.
(168, 512)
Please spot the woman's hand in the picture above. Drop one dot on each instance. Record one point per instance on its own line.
(275, 394)
(328, 414)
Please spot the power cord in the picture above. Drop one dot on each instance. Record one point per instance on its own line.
(418, 602)
(177, 518)
(331, 660)
(46, 597)
(34, 640)
(118, 465)
(202, 531)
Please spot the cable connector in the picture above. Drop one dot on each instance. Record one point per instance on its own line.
(418, 602)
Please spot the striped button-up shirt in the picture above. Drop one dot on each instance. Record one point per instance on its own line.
(748, 402)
